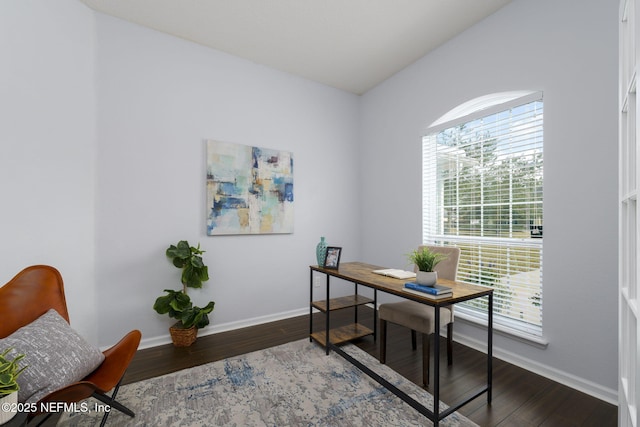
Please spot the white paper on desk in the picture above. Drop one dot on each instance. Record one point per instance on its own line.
(395, 273)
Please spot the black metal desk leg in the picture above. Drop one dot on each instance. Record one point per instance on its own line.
(328, 323)
(355, 309)
(375, 315)
(490, 349)
(436, 367)
(310, 304)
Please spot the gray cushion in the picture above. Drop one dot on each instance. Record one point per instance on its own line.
(56, 356)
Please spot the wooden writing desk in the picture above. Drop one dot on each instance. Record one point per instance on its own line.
(362, 274)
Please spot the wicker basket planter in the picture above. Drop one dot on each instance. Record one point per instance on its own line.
(176, 303)
(182, 337)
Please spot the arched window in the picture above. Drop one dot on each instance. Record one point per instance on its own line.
(482, 191)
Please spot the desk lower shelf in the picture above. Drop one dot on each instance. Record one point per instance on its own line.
(341, 302)
(342, 334)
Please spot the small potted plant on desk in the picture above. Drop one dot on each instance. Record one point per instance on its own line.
(177, 304)
(426, 260)
(9, 372)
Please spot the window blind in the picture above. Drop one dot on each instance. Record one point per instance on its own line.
(483, 192)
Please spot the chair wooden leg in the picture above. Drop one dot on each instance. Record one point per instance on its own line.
(450, 343)
(425, 359)
(383, 341)
(413, 340)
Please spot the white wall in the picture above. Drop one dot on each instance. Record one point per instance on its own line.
(104, 208)
(159, 98)
(47, 138)
(568, 50)
(103, 135)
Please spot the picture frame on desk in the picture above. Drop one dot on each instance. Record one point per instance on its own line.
(332, 260)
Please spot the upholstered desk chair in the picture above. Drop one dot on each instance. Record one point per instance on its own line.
(421, 318)
(31, 294)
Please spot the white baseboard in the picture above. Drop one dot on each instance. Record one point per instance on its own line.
(596, 390)
(230, 326)
(593, 389)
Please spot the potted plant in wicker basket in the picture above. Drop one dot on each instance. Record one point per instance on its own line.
(426, 260)
(177, 304)
(9, 372)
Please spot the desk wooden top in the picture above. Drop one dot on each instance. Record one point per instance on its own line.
(362, 273)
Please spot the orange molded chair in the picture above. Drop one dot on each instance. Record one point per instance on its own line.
(33, 292)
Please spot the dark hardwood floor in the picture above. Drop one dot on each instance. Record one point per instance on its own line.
(520, 398)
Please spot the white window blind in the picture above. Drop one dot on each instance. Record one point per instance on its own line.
(482, 191)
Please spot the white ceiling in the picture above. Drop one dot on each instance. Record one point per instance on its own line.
(348, 44)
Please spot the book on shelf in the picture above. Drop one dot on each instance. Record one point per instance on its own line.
(433, 290)
(396, 273)
(429, 296)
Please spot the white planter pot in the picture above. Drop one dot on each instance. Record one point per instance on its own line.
(12, 400)
(427, 278)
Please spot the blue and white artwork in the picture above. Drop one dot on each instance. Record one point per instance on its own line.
(249, 189)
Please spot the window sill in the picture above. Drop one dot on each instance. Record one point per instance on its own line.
(527, 338)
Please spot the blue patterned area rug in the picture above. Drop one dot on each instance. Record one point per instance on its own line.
(294, 384)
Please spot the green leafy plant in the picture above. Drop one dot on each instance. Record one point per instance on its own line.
(425, 259)
(9, 373)
(177, 304)
(189, 259)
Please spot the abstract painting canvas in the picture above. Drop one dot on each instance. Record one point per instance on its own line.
(249, 189)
